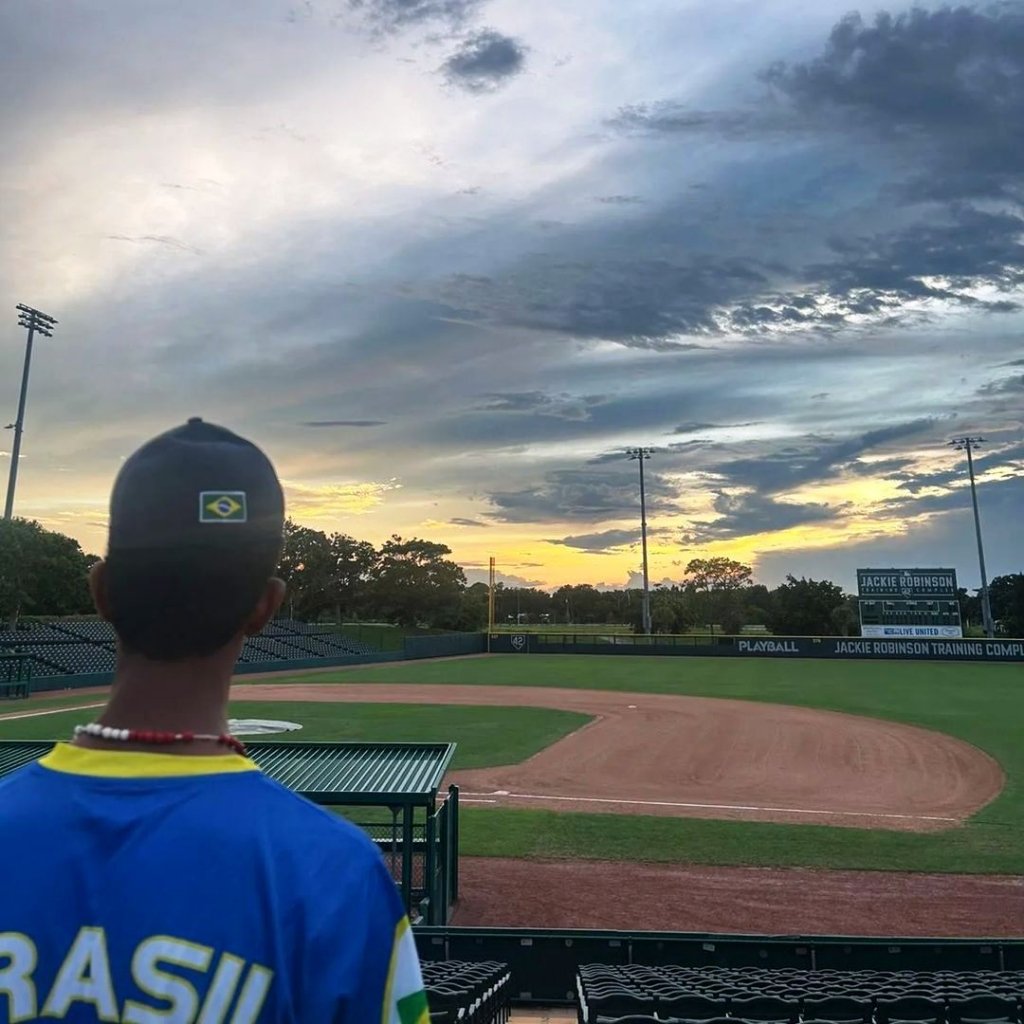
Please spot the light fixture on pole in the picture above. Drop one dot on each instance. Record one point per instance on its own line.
(968, 444)
(35, 322)
(641, 455)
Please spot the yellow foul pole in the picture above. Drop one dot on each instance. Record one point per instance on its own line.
(490, 607)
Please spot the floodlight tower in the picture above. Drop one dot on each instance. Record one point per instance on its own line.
(35, 322)
(967, 444)
(641, 455)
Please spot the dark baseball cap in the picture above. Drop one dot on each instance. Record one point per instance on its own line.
(198, 485)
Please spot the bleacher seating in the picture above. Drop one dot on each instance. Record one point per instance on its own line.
(253, 653)
(468, 993)
(350, 646)
(39, 661)
(307, 628)
(275, 629)
(327, 646)
(77, 646)
(30, 633)
(275, 647)
(86, 629)
(72, 658)
(673, 995)
(313, 647)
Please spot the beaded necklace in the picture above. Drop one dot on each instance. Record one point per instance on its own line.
(107, 732)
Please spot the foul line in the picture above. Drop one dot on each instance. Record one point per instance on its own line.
(53, 711)
(707, 807)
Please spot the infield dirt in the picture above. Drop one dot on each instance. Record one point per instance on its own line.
(679, 756)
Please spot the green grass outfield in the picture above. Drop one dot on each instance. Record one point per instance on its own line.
(486, 736)
(980, 703)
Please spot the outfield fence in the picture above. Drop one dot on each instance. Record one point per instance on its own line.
(1008, 650)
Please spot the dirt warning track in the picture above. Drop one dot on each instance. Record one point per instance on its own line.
(663, 754)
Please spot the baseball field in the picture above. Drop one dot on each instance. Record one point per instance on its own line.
(722, 794)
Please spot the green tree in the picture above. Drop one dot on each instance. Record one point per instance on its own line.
(413, 583)
(42, 572)
(352, 563)
(970, 608)
(805, 607)
(580, 603)
(708, 574)
(468, 614)
(722, 586)
(846, 617)
(1006, 596)
(307, 568)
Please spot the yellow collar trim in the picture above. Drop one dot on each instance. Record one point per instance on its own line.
(131, 764)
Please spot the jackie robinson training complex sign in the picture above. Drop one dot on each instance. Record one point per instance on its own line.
(909, 603)
(760, 647)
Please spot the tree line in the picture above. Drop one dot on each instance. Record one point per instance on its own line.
(413, 582)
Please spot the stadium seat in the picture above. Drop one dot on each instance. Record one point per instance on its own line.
(693, 1007)
(838, 997)
(765, 1008)
(909, 1008)
(838, 1008)
(470, 993)
(983, 1008)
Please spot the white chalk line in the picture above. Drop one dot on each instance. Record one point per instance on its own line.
(707, 807)
(52, 711)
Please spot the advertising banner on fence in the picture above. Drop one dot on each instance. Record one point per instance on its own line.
(939, 632)
(763, 647)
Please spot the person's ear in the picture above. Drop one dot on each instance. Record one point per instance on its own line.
(267, 606)
(98, 589)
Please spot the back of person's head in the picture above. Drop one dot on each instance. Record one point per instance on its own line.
(196, 525)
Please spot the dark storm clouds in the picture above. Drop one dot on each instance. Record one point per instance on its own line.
(852, 232)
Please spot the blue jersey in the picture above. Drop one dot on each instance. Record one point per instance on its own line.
(149, 888)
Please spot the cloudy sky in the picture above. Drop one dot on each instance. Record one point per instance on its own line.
(446, 259)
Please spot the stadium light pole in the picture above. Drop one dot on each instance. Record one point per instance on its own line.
(35, 322)
(966, 443)
(641, 455)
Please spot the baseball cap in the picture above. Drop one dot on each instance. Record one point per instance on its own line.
(196, 486)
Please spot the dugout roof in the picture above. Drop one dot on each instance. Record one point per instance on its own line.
(392, 774)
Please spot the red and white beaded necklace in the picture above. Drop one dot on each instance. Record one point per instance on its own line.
(144, 736)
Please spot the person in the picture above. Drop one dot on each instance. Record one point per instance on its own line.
(150, 871)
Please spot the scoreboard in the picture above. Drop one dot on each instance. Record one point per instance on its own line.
(908, 602)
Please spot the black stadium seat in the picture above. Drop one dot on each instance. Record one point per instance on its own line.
(909, 1008)
(765, 1008)
(760, 995)
(691, 1007)
(983, 1008)
(838, 1008)
(468, 993)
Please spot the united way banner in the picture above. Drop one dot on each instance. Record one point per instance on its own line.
(936, 632)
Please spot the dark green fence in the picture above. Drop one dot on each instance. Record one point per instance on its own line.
(855, 648)
(446, 645)
(441, 860)
(544, 962)
(15, 676)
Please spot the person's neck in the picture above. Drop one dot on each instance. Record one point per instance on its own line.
(189, 696)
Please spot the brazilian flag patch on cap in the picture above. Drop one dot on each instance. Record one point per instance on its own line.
(222, 507)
